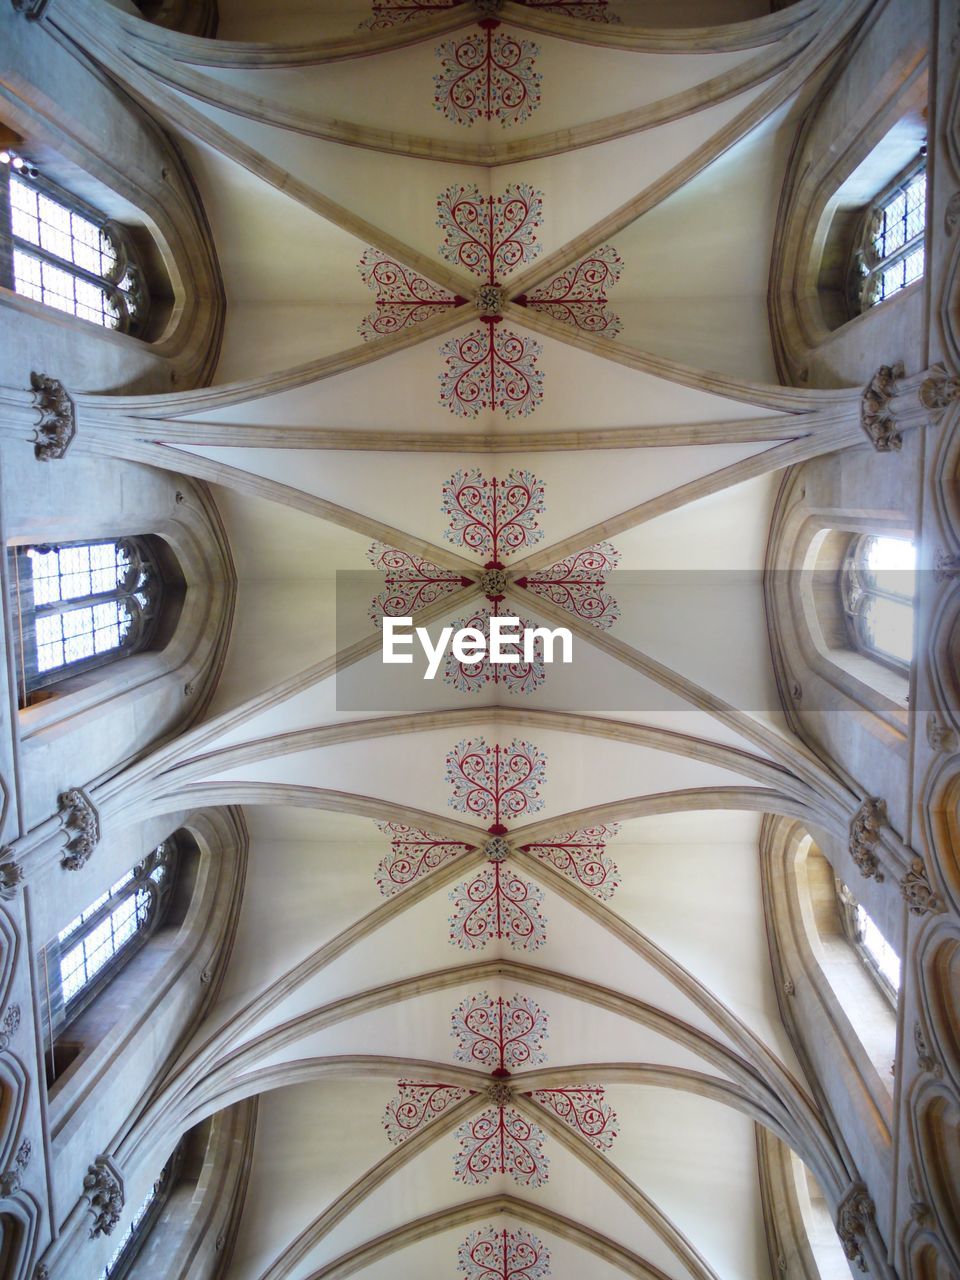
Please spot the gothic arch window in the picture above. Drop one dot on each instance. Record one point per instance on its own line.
(62, 252)
(889, 252)
(80, 605)
(877, 587)
(86, 955)
(866, 938)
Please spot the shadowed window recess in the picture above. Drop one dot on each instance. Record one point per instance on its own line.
(878, 586)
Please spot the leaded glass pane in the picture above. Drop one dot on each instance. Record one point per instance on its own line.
(897, 255)
(887, 627)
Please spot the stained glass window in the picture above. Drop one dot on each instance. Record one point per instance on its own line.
(103, 936)
(67, 255)
(78, 605)
(891, 252)
(878, 584)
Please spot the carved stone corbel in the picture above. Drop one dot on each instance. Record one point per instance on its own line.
(11, 875)
(58, 417)
(9, 1026)
(925, 1059)
(103, 1190)
(939, 390)
(917, 891)
(865, 835)
(939, 737)
(919, 1209)
(855, 1211)
(875, 416)
(81, 822)
(11, 1180)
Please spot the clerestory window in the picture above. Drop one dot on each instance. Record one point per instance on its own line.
(878, 585)
(79, 605)
(875, 951)
(64, 253)
(890, 253)
(85, 955)
(141, 1224)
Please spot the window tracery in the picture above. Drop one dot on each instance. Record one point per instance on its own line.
(79, 605)
(90, 950)
(878, 585)
(66, 254)
(890, 253)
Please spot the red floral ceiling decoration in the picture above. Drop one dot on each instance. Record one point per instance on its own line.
(580, 855)
(412, 583)
(392, 13)
(579, 584)
(498, 1254)
(493, 518)
(491, 368)
(495, 783)
(489, 75)
(412, 854)
(578, 296)
(490, 235)
(517, 676)
(403, 296)
(497, 905)
(500, 1035)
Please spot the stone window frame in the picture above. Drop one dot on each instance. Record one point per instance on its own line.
(848, 905)
(133, 303)
(146, 578)
(57, 1013)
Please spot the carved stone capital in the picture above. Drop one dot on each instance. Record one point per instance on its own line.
(939, 737)
(11, 875)
(925, 1059)
(875, 416)
(917, 891)
(81, 822)
(854, 1213)
(493, 583)
(489, 300)
(865, 835)
(103, 1189)
(946, 566)
(939, 390)
(499, 1093)
(497, 849)
(31, 9)
(11, 1179)
(9, 1026)
(57, 425)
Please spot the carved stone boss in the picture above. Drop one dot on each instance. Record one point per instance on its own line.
(103, 1190)
(865, 835)
(81, 822)
(57, 425)
(917, 891)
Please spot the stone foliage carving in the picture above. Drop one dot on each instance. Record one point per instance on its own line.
(81, 823)
(925, 1059)
(500, 1093)
(854, 1213)
(940, 390)
(58, 417)
(497, 849)
(875, 417)
(489, 300)
(865, 835)
(12, 1178)
(493, 584)
(11, 875)
(939, 737)
(103, 1188)
(9, 1026)
(917, 891)
(946, 566)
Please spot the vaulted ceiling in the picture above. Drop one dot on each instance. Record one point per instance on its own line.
(598, 1006)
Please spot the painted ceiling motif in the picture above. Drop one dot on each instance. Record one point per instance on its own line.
(493, 1254)
(491, 367)
(501, 1036)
